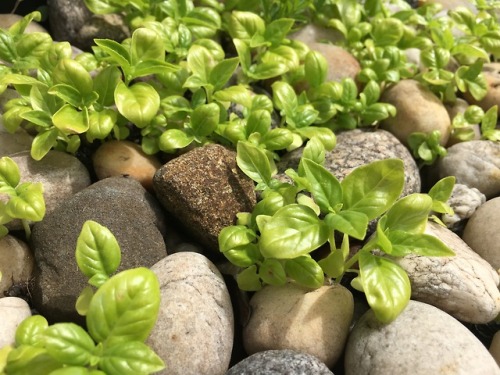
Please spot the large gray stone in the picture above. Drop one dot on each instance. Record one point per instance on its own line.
(194, 330)
(120, 204)
(279, 362)
(204, 190)
(422, 340)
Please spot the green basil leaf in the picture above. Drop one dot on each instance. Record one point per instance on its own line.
(24, 359)
(30, 331)
(70, 121)
(271, 271)
(9, 172)
(377, 112)
(441, 191)
(325, 135)
(118, 53)
(43, 142)
(314, 151)
(72, 73)
(130, 358)
(102, 6)
(222, 72)
(235, 236)
(3, 229)
(7, 46)
(292, 231)
(76, 370)
(305, 271)
(254, 162)
(333, 264)
(315, 68)
(248, 279)
(28, 204)
(284, 97)
(244, 25)
(373, 188)
(150, 67)
(104, 84)
(404, 243)
(409, 214)
(387, 31)
(353, 223)
(325, 188)
(146, 44)
(67, 93)
(69, 343)
(124, 308)
(138, 103)
(39, 118)
(204, 120)
(278, 29)
(489, 121)
(173, 139)
(203, 22)
(244, 256)
(97, 252)
(33, 44)
(267, 70)
(101, 124)
(281, 55)
(386, 286)
(236, 94)
(244, 54)
(200, 63)
(83, 301)
(470, 50)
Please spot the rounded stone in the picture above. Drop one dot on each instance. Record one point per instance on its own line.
(341, 63)
(194, 330)
(309, 321)
(418, 110)
(312, 33)
(481, 233)
(422, 340)
(279, 362)
(495, 347)
(13, 311)
(16, 263)
(125, 158)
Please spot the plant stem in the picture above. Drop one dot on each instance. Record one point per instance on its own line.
(27, 228)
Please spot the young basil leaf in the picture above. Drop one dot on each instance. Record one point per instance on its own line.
(292, 231)
(244, 25)
(409, 214)
(130, 358)
(33, 44)
(333, 264)
(373, 188)
(30, 331)
(39, 118)
(104, 84)
(315, 68)
(259, 121)
(387, 31)
(325, 187)
(281, 55)
(236, 94)
(97, 252)
(278, 29)
(3, 229)
(138, 103)
(204, 120)
(70, 121)
(244, 256)
(404, 243)
(146, 44)
(254, 163)
(386, 286)
(9, 172)
(489, 121)
(305, 271)
(235, 236)
(222, 72)
(83, 301)
(76, 370)
(28, 204)
(284, 97)
(43, 142)
(244, 55)
(24, 359)
(132, 316)
(69, 343)
(277, 138)
(118, 53)
(101, 124)
(271, 271)
(102, 6)
(441, 192)
(248, 279)
(314, 150)
(325, 135)
(200, 63)
(353, 223)
(267, 70)
(67, 93)
(173, 139)
(7, 46)
(73, 74)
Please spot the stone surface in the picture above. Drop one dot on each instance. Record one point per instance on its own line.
(495, 347)
(62, 175)
(16, 263)
(204, 190)
(120, 204)
(359, 147)
(279, 362)
(291, 317)
(72, 21)
(475, 164)
(422, 340)
(481, 232)
(491, 73)
(125, 158)
(13, 311)
(418, 110)
(12, 143)
(315, 33)
(464, 285)
(194, 331)
(464, 201)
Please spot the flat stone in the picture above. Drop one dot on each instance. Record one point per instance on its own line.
(422, 340)
(204, 190)
(13, 311)
(279, 362)
(120, 204)
(195, 327)
(17, 263)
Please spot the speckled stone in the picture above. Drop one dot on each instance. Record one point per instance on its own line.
(204, 190)
(195, 327)
(123, 206)
(475, 164)
(17, 263)
(464, 201)
(279, 362)
(360, 147)
(422, 340)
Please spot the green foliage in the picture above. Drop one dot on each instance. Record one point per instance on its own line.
(119, 317)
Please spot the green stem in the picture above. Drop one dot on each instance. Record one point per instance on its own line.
(27, 228)
(348, 265)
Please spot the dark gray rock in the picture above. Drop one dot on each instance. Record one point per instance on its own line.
(72, 21)
(204, 190)
(279, 362)
(120, 204)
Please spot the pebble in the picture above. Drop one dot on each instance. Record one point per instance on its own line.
(481, 232)
(291, 317)
(17, 263)
(491, 73)
(464, 201)
(204, 190)
(418, 110)
(125, 158)
(464, 285)
(279, 362)
(13, 311)
(422, 340)
(495, 347)
(475, 164)
(120, 204)
(195, 327)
